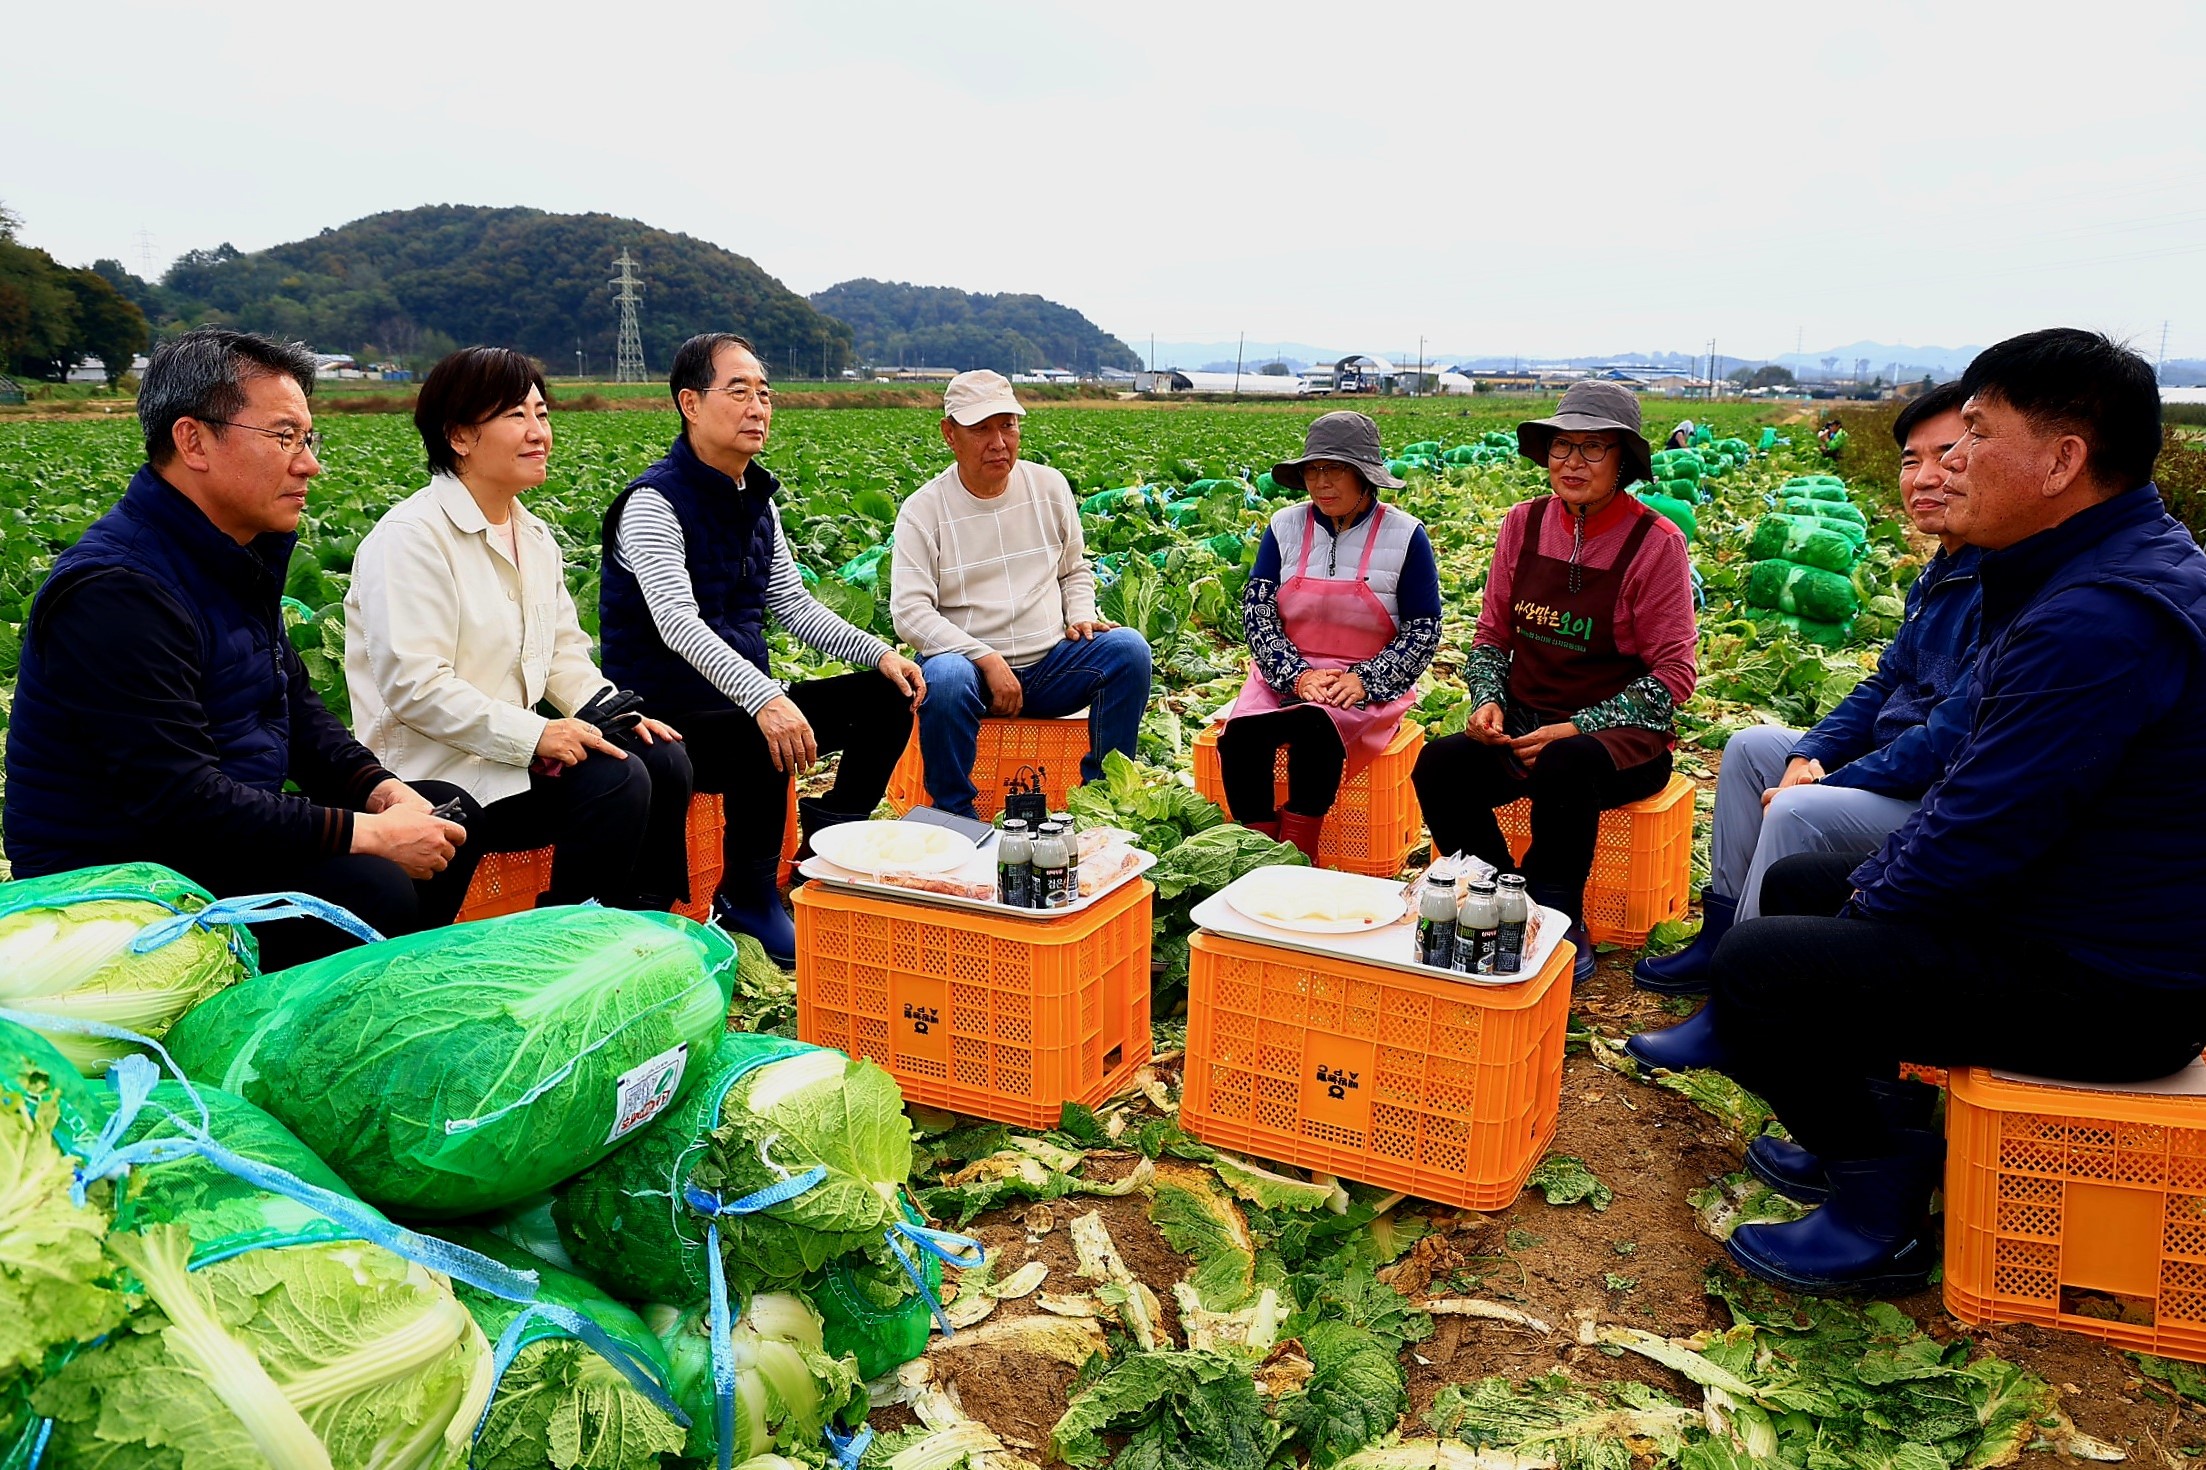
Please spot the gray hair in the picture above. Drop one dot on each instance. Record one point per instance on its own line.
(202, 375)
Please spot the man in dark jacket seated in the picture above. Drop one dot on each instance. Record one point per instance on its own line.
(1846, 785)
(2042, 912)
(160, 708)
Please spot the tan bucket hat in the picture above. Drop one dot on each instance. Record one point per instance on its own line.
(1589, 406)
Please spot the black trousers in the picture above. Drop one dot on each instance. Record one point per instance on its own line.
(862, 715)
(376, 890)
(1248, 754)
(1460, 781)
(1816, 1007)
(617, 828)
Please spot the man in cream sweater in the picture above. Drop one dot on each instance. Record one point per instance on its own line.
(991, 585)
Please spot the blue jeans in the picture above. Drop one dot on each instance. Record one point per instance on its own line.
(1108, 675)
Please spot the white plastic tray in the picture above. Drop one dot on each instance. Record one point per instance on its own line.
(982, 865)
(1389, 946)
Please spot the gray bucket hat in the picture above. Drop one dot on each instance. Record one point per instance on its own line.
(1344, 437)
(1588, 406)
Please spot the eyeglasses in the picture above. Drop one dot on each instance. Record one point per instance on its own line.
(290, 441)
(1592, 451)
(742, 395)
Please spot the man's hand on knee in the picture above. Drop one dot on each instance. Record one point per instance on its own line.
(1798, 772)
(421, 845)
(1006, 696)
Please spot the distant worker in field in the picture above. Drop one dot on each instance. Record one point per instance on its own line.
(1343, 615)
(2041, 911)
(991, 585)
(1681, 437)
(695, 559)
(1847, 784)
(458, 624)
(1585, 648)
(160, 709)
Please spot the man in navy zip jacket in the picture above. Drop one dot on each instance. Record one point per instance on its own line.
(1847, 784)
(160, 708)
(2045, 909)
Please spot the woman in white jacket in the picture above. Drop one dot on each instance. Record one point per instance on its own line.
(458, 624)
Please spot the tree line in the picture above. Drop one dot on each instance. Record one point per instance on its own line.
(54, 317)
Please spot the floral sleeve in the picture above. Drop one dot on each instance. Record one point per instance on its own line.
(1644, 703)
(1486, 674)
(1272, 651)
(1394, 670)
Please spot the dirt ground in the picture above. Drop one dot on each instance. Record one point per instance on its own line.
(1639, 1263)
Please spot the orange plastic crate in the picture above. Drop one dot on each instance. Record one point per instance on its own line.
(1642, 862)
(1007, 1019)
(1375, 823)
(2059, 1198)
(1056, 747)
(1446, 1090)
(508, 882)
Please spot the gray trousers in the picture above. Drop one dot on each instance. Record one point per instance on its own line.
(1809, 818)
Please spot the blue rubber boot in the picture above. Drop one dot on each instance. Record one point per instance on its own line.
(749, 902)
(1873, 1236)
(1905, 1106)
(1687, 971)
(1583, 965)
(1690, 1043)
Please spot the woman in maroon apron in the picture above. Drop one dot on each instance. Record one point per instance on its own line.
(1343, 616)
(1585, 646)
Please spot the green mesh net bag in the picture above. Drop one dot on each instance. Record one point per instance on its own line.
(1806, 592)
(1806, 540)
(464, 1069)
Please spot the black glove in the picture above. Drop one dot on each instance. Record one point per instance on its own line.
(615, 712)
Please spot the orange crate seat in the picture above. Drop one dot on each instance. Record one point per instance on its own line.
(1375, 823)
(507, 882)
(2060, 1198)
(1446, 1090)
(1008, 1019)
(1642, 862)
(1053, 746)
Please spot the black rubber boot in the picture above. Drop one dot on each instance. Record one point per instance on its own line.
(1873, 1236)
(749, 902)
(1905, 1106)
(1686, 972)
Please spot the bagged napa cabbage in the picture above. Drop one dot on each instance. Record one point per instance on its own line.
(57, 1291)
(464, 1069)
(766, 1109)
(559, 1405)
(65, 951)
(264, 1334)
(787, 1389)
(1809, 593)
(1806, 540)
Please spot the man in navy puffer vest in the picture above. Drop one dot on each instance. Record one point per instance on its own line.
(160, 708)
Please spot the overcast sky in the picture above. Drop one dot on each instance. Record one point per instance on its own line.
(1544, 178)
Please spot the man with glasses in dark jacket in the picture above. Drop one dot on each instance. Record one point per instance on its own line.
(160, 709)
(2042, 911)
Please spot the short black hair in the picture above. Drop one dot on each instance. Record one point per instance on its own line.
(469, 387)
(2082, 383)
(202, 375)
(1928, 404)
(693, 364)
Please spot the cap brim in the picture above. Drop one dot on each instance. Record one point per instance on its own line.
(1288, 472)
(973, 413)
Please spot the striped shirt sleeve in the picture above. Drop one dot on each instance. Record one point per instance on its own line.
(651, 546)
(809, 620)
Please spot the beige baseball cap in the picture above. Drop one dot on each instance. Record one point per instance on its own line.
(979, 394)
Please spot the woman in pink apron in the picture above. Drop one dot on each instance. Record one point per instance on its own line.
(1343, 615)
(1585, 646)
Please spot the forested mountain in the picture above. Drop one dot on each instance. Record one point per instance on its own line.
(414, 283)
(901, 325)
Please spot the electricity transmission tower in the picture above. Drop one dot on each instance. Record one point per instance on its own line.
(628, 349)
(144, 241)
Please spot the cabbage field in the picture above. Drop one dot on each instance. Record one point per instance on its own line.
(1144, 1302)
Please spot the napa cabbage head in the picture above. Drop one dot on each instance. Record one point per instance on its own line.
(65, 952)
(787, 1389)
(331, 1356)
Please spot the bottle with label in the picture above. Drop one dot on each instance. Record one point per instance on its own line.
(1436, 924)
(1476, 926)
(1072, 854)
(1516, 913)
(1049, 864)
(1014, 878)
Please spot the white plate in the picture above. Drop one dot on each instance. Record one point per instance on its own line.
(1287, 891)
(879, 847)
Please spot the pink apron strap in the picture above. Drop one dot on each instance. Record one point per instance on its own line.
(1370, 541)
(1309, 534)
